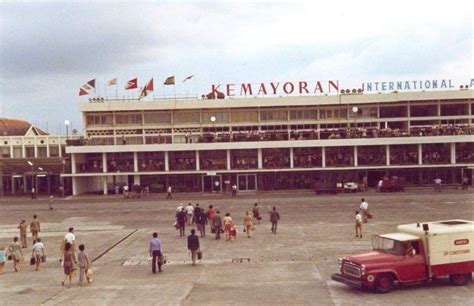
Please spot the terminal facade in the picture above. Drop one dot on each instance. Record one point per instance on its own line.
(273, 143)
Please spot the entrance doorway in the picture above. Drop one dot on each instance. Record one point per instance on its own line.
(247, 182)
(373, 177)
(212, 183)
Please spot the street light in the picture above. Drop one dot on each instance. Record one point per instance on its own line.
(355, 110)
(213, 119)
(66, 123)
(32, 179)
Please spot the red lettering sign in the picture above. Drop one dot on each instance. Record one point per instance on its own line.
(303, 86)
(291, 88)
(246, 89)
(274, 87)
(461, 241)
(230, 90)
(262, 90)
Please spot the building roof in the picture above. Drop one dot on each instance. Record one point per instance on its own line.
(16, 127)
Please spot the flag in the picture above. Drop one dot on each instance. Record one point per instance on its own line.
(148, 87)
(169, 80)
(82, 92)
(112, 82)
(131, 84)
(188, 78)
(87, 88)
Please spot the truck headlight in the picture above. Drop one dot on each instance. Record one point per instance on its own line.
(363, 269)
(340, 262)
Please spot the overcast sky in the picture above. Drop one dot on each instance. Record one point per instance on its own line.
(48, 50)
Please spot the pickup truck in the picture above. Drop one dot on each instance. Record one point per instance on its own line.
(417, 253)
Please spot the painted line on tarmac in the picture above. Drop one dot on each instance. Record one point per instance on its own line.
(114, 245)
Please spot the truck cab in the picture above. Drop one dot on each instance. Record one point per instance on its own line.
(415, 254)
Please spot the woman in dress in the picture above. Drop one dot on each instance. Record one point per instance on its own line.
(248, 223)
(228, 223)
(16, 253)
(68, 263)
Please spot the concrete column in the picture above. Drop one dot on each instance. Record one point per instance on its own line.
(35, 147)
(75, 190)
(198, 166)
(104, 182)
(228, 160)
(73, 163)
(387, 155)
(167, 161)
(104, 162)
(60, 147)
(291, 158)
(453, 153)
(420, 154)
(323, 156)
(23, 149)
(47, 147)
(356, 160)
(135, 162)
(13, 185)
(259, 159)
(10, 141)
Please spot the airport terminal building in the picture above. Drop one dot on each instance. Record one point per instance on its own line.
(273, 143)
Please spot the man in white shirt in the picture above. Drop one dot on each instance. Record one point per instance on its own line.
(179, 208)
(437, 182)
(358, 224)
(169, 191)
(364, 207)
(189, 213)
(70, 238)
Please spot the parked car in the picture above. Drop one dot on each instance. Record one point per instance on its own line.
(351, 187)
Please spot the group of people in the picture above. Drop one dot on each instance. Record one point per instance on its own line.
(69, 255)
(195, 215)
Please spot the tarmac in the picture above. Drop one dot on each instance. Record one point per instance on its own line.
(293, 267)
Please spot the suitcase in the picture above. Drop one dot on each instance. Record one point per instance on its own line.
(32, 261)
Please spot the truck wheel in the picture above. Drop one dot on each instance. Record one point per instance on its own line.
(384, 283)
(460, 279)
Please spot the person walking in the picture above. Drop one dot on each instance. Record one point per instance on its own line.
(217, 224)
(169, 191)
(181, 220)
(234, 191)
(197, 211)
(210, 215)
(438, 182)
(51, 201)
(38, 253)
(155, 253)
(23, 228)
(465, 183)
(256, 213)
(189, 213)
(16, 253)
(68, 263)
(193, 245)
(3, 258)
(201, 222)
(35, 228)
(364, 209)
(274, 218)
(228, 224)
(70, 238)
(33, 193)
(358, 224)
(248, 223)
(84, 264)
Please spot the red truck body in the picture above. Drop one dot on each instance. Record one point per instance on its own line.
(413, 255)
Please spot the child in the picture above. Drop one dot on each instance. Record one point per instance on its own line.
(3, 257)
(84, 264)
(358, 224)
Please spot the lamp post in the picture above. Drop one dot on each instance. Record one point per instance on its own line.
(213, 119)
(32, 189)
(355, 110)
(66, 123)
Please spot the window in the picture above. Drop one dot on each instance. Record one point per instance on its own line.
(162, 117)
(244, 116)
(273, 115)
(5, 152)
(304, 114)
(53, 151)
(133, 119)
(99, 119)
(221, 116)
(186, 117)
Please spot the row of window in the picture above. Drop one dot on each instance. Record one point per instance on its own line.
(236, 116)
